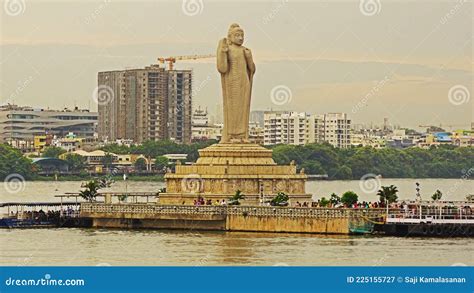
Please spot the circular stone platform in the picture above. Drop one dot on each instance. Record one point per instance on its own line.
(235, 154)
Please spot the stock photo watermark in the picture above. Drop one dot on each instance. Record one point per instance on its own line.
(192, 7)
(370, 7)
(103, 95)
(14, 7)
(281, 95)
(458, 95)
(14, 183)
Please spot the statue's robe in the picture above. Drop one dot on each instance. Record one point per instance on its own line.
(236, 76)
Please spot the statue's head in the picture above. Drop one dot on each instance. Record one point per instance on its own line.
(235, 35)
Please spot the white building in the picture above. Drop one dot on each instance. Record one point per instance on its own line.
(23, 123)
(285, 128)
(302, 128)
(201, 128)
(334, 128)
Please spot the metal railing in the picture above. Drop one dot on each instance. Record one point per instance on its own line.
(232, 210)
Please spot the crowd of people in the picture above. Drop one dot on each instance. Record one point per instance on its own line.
(42, 216)
(357, 205)
(201, 202)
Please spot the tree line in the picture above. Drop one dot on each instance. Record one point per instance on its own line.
(352, 163)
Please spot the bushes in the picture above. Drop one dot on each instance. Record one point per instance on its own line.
(349, 198)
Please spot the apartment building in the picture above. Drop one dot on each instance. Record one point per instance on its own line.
(145, 104)
(283, 127)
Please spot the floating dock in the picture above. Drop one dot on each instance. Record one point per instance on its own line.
(432, 218)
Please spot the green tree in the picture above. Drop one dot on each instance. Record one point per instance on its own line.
(140, 164)
(161, 163)
(280, 199)
(235, 200)
(388, 193)
(437, 195)
(92, 188)
(344, 172)
(12, 161)
(334, 199)
(349, 198)
(107, 161)
(76, 162)
(324, 202)
(117, 149)
(53, 152)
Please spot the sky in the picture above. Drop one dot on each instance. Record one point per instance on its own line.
(408, 61)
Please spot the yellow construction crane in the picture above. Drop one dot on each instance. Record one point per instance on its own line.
(171, 60)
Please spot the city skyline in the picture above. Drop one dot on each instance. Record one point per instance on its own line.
(371, 65)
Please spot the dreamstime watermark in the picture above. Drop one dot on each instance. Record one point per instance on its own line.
(44, 281)
(369, 183)
(192, 7)
(22, 85)
(280, 95)
(203, 261)
(459, 95)
(370, 7)
(192, 183)
(14, 7)
(363, 102)
(466, 174)
(452, 12)
(25, 260)
(96, 13)
(274, 12)
(103, 95)
(380, 261)
(14, 183)
(201, 86)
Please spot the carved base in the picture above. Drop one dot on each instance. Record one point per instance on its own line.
(222, 169)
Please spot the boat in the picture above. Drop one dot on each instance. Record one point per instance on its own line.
(431, 219)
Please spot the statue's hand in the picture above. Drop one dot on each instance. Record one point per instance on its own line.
(223, 46)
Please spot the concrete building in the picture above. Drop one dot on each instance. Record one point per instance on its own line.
(334, 128)
(145, 104)
(19, 125)
(258, 117)
(302, 128)
(281, 127)
(256, 133)
(179, 105)
(200, 128)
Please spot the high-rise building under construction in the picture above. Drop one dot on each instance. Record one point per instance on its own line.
(152, 103)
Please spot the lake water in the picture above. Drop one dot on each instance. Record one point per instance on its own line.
(453, 189)
(137, 247)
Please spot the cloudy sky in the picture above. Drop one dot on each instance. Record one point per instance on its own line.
(408, 61)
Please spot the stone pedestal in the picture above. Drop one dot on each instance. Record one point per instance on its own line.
(223, 168)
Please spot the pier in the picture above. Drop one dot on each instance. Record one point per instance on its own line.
(440, 219)
(231, 218)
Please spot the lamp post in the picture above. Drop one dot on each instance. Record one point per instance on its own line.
(418, 197)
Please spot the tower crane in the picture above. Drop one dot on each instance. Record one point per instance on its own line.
(171, 60)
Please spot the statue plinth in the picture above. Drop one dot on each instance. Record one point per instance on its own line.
(224, 168)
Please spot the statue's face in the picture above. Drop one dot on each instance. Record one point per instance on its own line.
(237, 38)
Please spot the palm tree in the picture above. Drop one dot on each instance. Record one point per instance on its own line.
(388, 193)
(235, 199)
